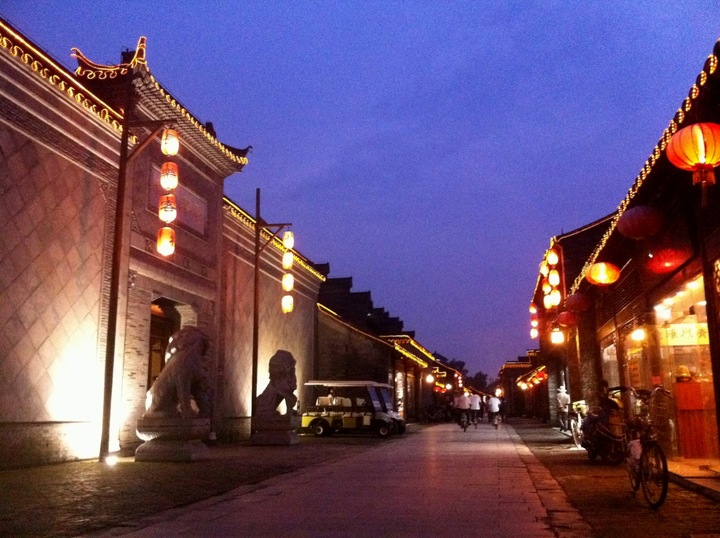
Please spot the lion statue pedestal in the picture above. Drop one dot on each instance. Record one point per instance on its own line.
(269, 426)
(172, 439)
(171, 427)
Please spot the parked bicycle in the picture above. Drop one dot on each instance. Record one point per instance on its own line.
(645, 459)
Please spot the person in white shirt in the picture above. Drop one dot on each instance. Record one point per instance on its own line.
(563, 406)
(462, 405)
(474, 407)
(493, 409)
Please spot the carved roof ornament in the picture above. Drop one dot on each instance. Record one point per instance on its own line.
(90, 70)
(106, 80)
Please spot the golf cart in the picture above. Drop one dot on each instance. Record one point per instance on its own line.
(351, 407)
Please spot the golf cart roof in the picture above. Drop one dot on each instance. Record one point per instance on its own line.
(343, 383)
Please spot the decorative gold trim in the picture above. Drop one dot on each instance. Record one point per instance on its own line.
(675, 124)
(242, 217)
(55, 76)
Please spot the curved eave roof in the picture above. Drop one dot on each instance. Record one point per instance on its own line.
(684, 116)
(56, 76)
(160, 102)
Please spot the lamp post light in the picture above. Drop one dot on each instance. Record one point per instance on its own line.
(287, 304)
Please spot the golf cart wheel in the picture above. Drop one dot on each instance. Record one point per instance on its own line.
(321, 428)
(384, 430)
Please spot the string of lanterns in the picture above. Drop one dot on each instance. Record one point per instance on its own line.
(167, 205)
(288, 280)
(551, 279)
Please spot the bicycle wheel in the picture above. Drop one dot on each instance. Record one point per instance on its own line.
(654, 475)
(576, 431)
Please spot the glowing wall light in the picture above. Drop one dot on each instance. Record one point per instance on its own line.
(638, 335)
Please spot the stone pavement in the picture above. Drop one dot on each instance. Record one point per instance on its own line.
(434, 480)
(441, 482)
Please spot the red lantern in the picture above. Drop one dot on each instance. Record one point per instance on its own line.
(578, 302)
(640, 222)
(166, 241)
(567, 318)
(696, 148)
(666, 260)
(169, 175)
(602, 273)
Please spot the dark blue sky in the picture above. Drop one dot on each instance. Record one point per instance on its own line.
(428, 149)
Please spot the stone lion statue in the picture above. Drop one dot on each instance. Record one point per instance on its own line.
(283, 383)
(183, 378)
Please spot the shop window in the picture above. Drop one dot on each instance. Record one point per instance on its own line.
(682, 334)
(610, 371)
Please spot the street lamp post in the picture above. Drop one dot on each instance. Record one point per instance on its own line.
(119, 246)
(274, 230)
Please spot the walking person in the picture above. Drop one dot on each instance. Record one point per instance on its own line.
(474, 407)
(493, 410)
(462, 405)
(563, 407)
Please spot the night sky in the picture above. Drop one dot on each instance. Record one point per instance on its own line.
(428, 149)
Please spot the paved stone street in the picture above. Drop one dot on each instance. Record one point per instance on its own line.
(525, 479)
(603, 496)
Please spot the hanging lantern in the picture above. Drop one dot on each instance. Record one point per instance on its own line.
(557, 336)
(533, 333)
(602, 273)
(288, 282)
(287, 304)
(696, 148)
(166, 241)
(287, 260)
(288, 240)
(554, 277)
(555, 297)
(547, 302)
(167, 208)
(544, 268)
(169, 176)
(534, 322)
(578, 302)
(533, 308)
(567, 318)
(170, 144)
(552, 257)
(546, 287)
(640, 222)
(666, 260)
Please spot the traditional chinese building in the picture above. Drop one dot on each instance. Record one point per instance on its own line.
(88, 299)
(647, 296)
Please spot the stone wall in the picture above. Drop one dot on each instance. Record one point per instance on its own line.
(346, 353)
(293, 332)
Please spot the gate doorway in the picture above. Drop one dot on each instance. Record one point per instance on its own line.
(164, 321)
